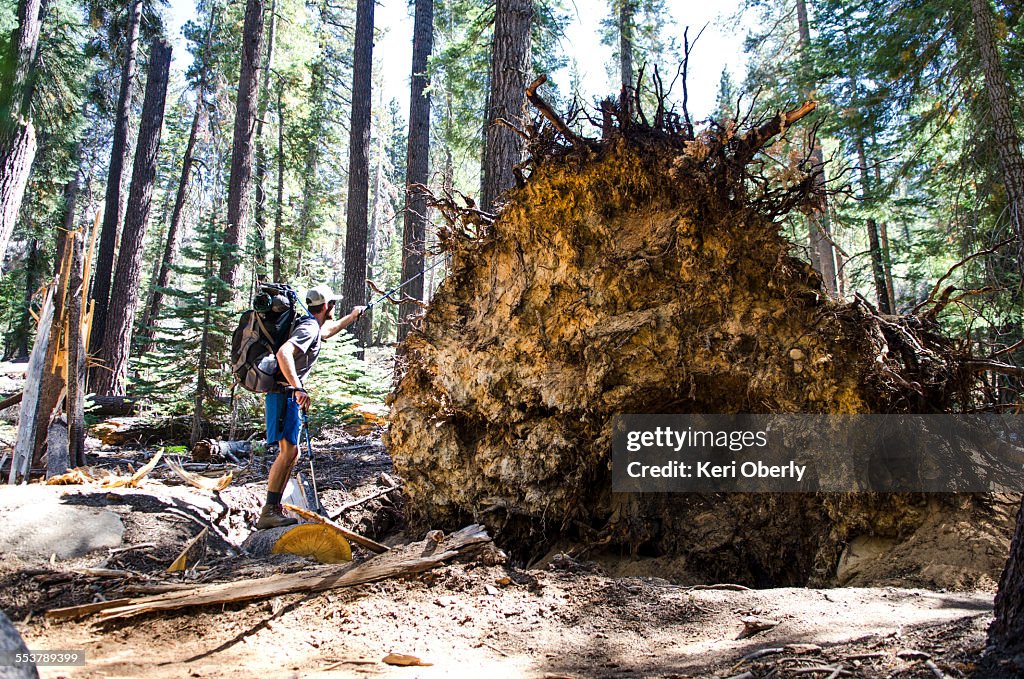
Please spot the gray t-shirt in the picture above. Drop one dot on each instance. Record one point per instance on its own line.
(306, 336)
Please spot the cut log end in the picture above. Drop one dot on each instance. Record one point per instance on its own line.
(310, 540)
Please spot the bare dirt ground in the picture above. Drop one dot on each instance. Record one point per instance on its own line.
(563, 618)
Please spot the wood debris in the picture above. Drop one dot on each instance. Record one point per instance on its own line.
(403, 660)
(133, 480)
(197, 480)
(404, 560)
(752, 624)
(79, 476)
(192, 552)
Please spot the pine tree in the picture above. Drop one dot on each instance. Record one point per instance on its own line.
(417, 162)
(116, 176)
(240, 181)
(112, 379)
(359, 167)
(17, 131)
(510, 59)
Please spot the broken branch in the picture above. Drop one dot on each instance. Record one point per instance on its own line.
(549, 113)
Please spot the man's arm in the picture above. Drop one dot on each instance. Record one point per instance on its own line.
(332, 328)
(286, 362)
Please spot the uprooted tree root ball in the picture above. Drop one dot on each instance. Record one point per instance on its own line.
(646, 273)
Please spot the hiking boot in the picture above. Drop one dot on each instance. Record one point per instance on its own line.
(273, 516)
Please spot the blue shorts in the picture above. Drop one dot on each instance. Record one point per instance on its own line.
(284, 419)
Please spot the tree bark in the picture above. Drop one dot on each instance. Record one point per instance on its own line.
(874, 242)
(151, 313)
(17, 134)
(359, 168)
(279, 206)
(75, 401)
(626, 10)
(1007, 630)
(1006, 137)
(417, 163)
(111, 379)
(199, 400)
(822, 253)
(240, 181)
(156, 296)
(510, 57)
(260, 212)
(24, 328)
(119, 150)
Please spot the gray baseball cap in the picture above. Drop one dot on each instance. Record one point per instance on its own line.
(321, 294)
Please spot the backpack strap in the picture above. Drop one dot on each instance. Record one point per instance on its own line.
(263, 329)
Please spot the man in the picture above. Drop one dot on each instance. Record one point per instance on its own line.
(295, 358)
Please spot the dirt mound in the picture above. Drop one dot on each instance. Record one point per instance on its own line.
(646, 273)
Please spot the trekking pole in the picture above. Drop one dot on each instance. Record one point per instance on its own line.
(388, 294)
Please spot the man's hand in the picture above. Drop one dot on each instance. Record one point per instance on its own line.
(332, 328)
(302, 398)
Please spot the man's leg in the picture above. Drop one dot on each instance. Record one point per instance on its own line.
(282, 412)
(282, 467)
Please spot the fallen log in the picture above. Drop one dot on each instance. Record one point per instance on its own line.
(111, 406)
(11, 400)
(312, 540)
(408, 559)
(209, 450)
(354, 537)
(133, 430)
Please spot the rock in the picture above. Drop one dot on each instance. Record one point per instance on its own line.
(39, 521)
(11, 642)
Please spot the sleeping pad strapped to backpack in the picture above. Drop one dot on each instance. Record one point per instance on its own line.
(260, 333)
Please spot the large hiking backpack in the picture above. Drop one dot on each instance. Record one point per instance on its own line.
(261, 331)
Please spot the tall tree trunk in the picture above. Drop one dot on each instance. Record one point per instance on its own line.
(75, 400)
(874, 242)
(119, 150)
(1007, 630)
(156, 296)
(151, 313)
(822, 253)
(260, 213)
(17, 134)
(124, 300)
(279, 203)
(242, 146)
(359, 168)
(1006, 137)
(625, 18)
(417, 163)
(510, 58)
(198, 416)
(32, 278)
